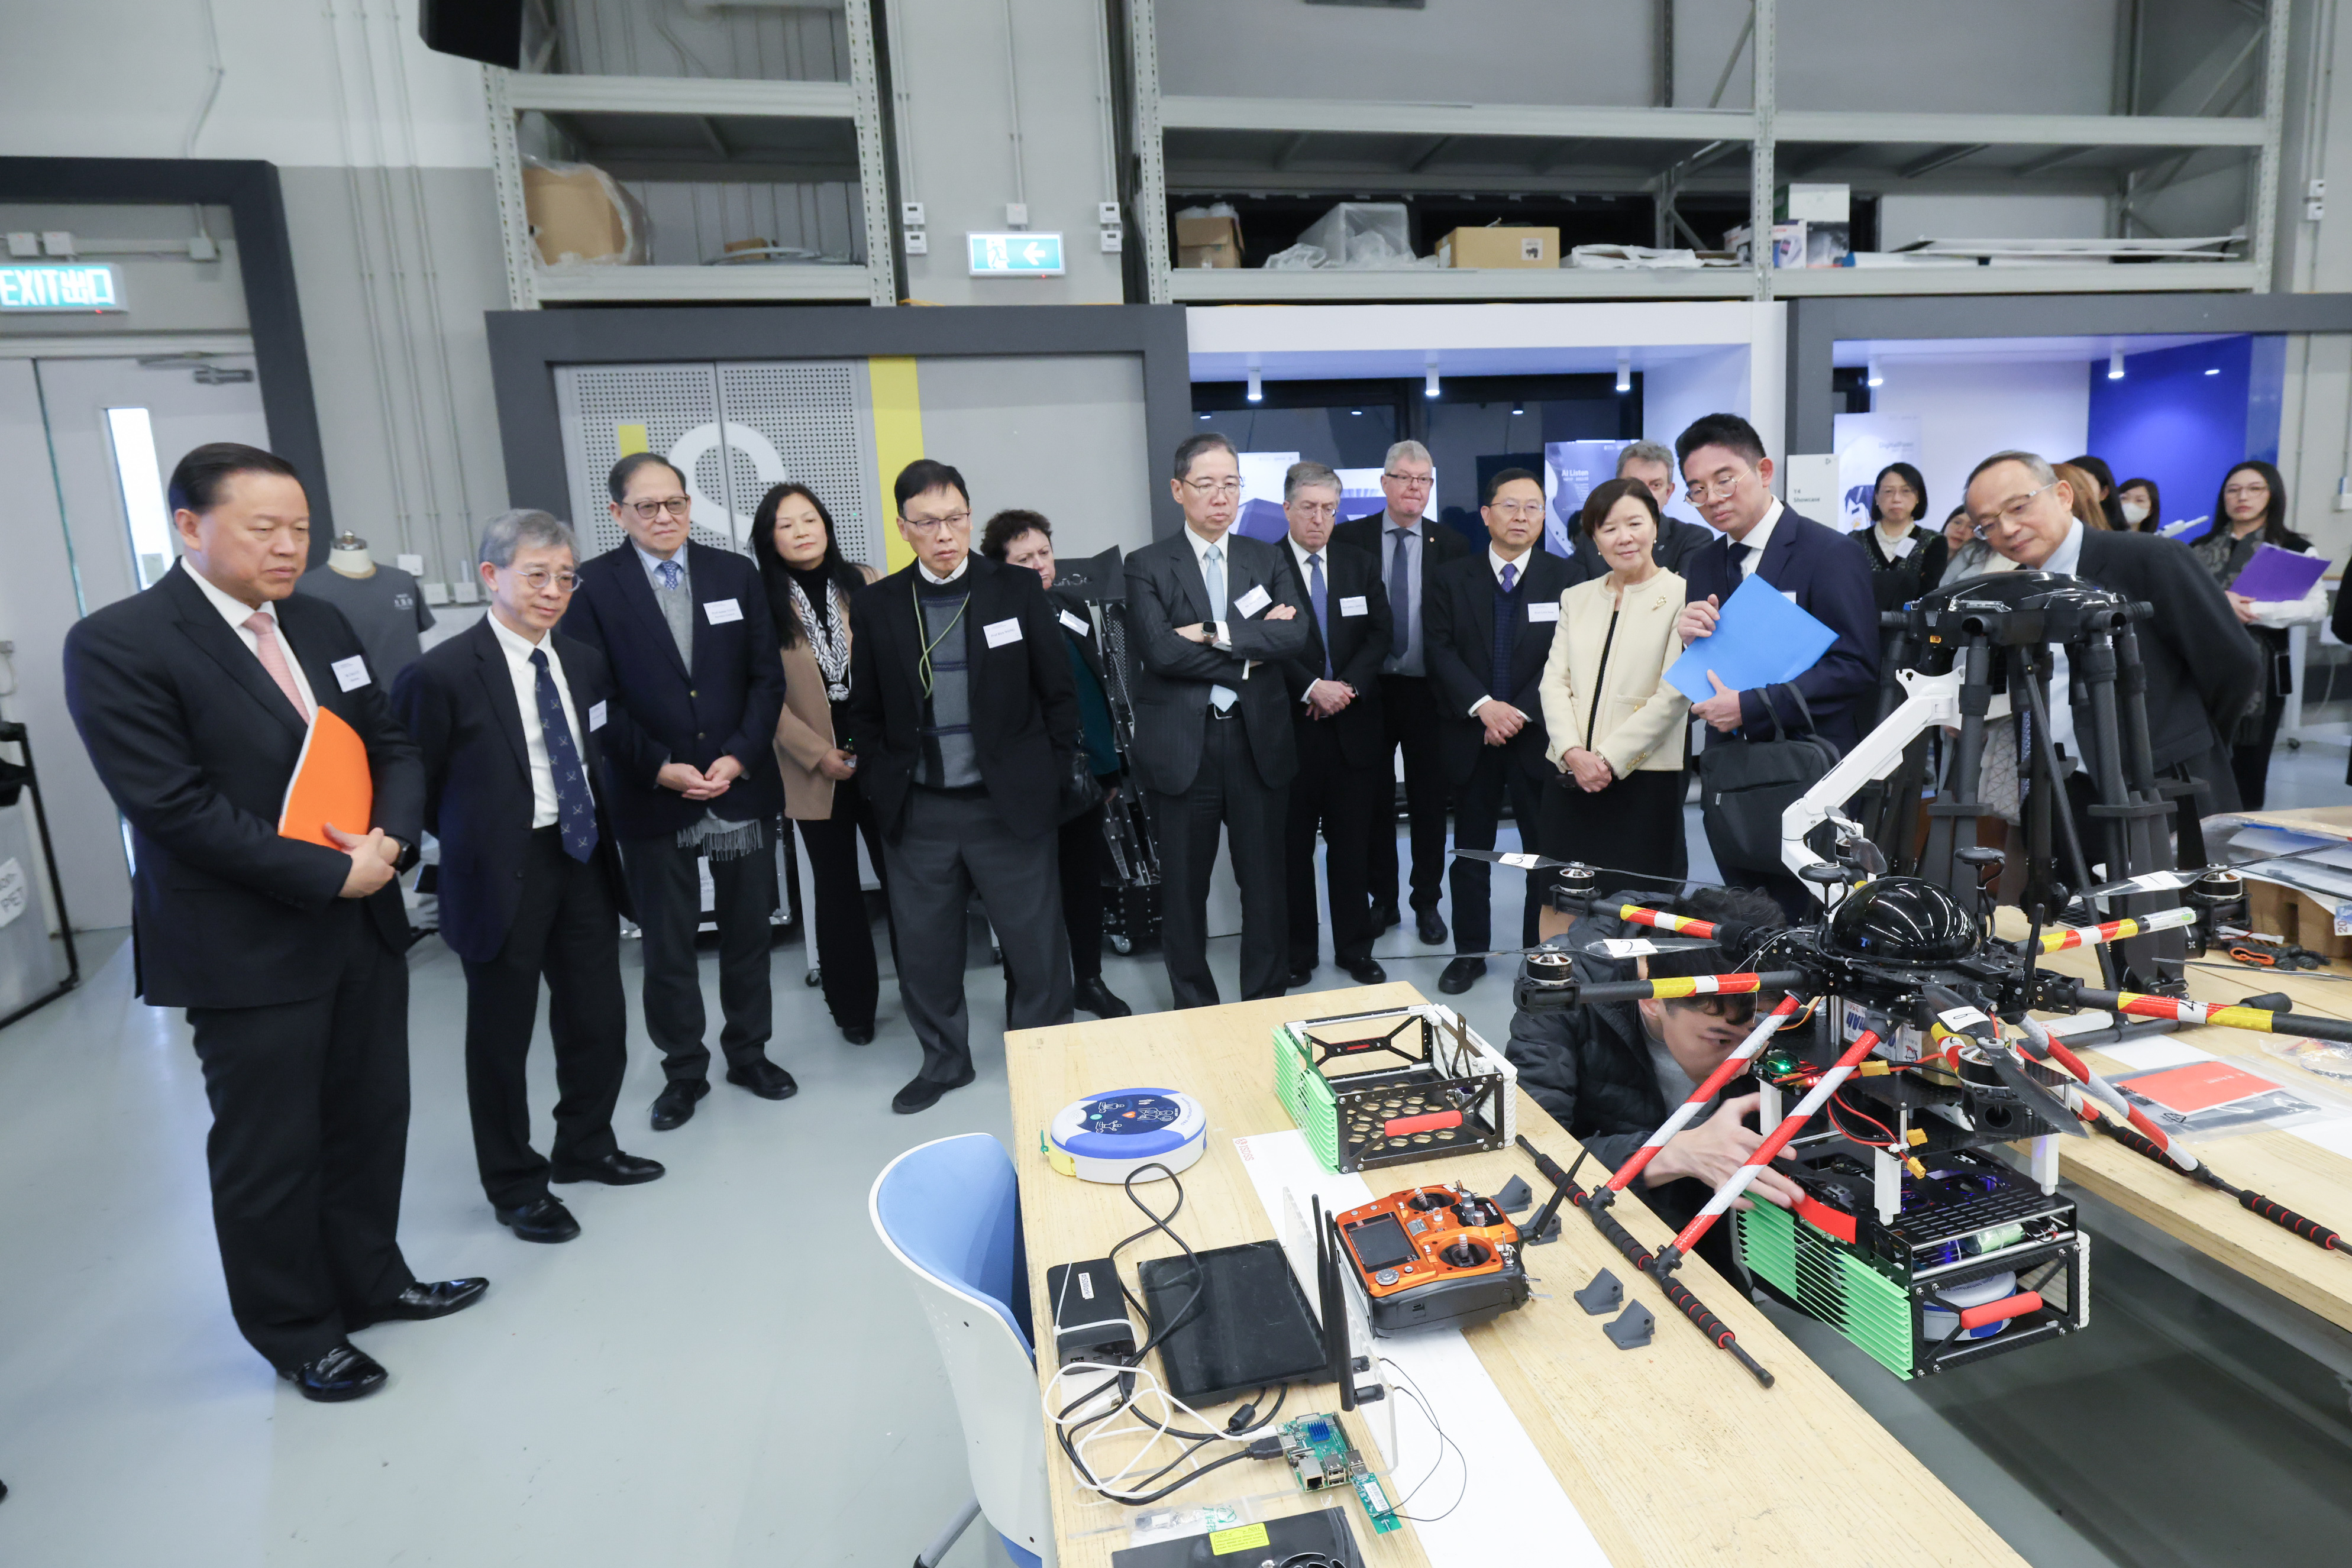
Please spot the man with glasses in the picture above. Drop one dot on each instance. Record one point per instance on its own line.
(1411, 547)
(1821, 570)
(2199, 662)
(966, 718)
(1491, 623)
(514, 719)
(1211, 616)
(686, 632)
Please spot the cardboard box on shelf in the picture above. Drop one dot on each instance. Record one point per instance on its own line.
(1813, 203)
(1499, 246)
(576, 215)
(1208, 242)
(1800, 241)
(2289, 912)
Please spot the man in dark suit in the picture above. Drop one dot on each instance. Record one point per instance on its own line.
(1211, 616)
(195, 699)
(2199, 662)
(686, 633)
(966, 717)
(1335, 696)
(1821, 570)
(1491, 622)
(510, 717)
(1411, 546)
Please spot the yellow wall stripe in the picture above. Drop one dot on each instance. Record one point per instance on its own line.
(898, 441)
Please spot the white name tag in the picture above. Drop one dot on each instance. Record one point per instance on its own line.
(999, 632)
(1250, 603)
(722, 610)
(1547, 610)
(1354, 605)
(1076, 626)
(595, 715)
(350, 672)
(1960, 1019)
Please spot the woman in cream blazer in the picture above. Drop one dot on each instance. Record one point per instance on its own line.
(1616, 731)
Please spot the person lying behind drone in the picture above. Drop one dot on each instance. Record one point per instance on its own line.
(1611, 1072)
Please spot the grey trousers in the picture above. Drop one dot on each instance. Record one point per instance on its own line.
(951, 845)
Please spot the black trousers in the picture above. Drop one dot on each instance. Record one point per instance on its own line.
(1084, 859)
(844, 935)
(668, 892)
(2250, 763)
(309, 1141)
(1410, 704)
(1226, 790)
(1477, 816)
(953, 844)
(567, 929)
(1338, 799)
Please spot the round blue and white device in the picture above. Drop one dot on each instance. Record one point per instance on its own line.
(1108, 1137)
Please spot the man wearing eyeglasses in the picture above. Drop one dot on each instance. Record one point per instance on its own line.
(686, 632)
(515, 720)
(2199, 662)
(1411, 547)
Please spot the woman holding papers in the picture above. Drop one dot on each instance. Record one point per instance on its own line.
(1616, 731)
(2250, 513)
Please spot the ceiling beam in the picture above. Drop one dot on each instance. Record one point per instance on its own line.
(1940, 158)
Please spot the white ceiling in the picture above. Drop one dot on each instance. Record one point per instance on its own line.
(1857, 352)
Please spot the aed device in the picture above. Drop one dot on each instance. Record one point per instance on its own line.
(1109, 1138)
(1432, 1256)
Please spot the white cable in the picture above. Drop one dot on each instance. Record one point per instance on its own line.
(1146, 1386)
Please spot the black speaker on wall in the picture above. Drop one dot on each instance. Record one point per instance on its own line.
(489, 31)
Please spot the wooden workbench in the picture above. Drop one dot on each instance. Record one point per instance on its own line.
(1671, 1454)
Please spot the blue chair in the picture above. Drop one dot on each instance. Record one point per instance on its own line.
(949, 1212)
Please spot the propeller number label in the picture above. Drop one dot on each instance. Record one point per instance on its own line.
(1961, 1019)
(1628, 947)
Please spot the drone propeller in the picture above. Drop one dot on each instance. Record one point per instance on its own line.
(1513, 858)
(1645, 946)
(2003, 1061)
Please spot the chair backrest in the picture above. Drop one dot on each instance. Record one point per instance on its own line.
(949, 1211)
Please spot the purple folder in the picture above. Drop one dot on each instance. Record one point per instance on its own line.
(2276, 575)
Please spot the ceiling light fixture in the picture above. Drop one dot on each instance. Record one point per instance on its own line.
(1624, 370)
(2114, 364)
(1872, 375)
(1256, 387)
(1429, 382)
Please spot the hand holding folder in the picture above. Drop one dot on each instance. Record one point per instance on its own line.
(1760, 639)
(331, 800)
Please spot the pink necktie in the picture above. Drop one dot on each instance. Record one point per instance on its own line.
(273, 658)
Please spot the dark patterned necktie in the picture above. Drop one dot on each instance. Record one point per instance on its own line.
(575, 808)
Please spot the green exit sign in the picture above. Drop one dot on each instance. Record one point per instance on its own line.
(61, 286)
(1020, 255)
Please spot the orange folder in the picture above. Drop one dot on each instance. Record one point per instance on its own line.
(331, 784)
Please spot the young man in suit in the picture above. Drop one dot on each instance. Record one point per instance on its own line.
(514, 719)
(685, 630)
(1491, 622)
(1411, 546)
(1211, 616)
(1821, 570)
(195, 699)
(1335, 713)
(966, 724)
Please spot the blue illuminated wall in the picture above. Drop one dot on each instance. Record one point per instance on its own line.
(2174, 422)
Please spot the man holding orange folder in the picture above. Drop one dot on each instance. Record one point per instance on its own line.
(202, 701)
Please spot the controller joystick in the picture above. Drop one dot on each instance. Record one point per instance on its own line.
(1429, 1198)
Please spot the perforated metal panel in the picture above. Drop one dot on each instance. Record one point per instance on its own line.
(814, 416)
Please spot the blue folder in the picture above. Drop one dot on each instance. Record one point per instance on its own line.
(1760, 640)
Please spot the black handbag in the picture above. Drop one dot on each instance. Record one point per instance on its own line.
(1744, 788)
(1081, 790)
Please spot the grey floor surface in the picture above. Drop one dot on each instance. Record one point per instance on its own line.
(724, 1371)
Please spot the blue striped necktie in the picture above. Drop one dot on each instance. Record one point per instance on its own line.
(575, 808)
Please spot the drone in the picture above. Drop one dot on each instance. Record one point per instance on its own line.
(1911, 1237)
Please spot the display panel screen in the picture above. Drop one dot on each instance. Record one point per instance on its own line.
(1380, 1242)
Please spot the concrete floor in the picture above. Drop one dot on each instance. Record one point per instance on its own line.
(724, 1372)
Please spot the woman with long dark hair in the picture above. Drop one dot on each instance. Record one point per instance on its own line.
(2251, 512)
(809, 583)
(2103, 493)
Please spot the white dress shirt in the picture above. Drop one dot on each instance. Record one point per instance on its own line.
(1758, 537)
(236, 612)
(519, 649)
(1219, 637)
(938, 582)
(1299, 553)
(2067, 561)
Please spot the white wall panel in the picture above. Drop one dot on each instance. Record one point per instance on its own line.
(1969, 411)
(1063, 436)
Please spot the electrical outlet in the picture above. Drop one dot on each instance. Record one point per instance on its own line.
(1016, 215)
(2344, 495)
(436, 592)
(23, 242)
(911, 213)
(413, 565)
(1112, 241)
(917, 243)
(59, 242)
(2317, 189)
(1107, 215)
(463, 592)
(2312, 212)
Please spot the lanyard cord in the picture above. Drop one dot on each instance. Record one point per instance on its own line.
(923, 659)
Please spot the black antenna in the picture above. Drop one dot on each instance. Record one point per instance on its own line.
(1334, 1304)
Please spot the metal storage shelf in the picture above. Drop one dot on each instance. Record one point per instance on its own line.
(743, 284)
(1206, 285)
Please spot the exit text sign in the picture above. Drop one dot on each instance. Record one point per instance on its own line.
(67, 286)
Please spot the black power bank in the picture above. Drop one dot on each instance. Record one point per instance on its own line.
(1245, 1322)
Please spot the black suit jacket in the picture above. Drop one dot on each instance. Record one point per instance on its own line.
(1678, 542)
(1024, 707)
(196, 744)
(1827, 573)
(1461, 633)
(459, 701)
(1173, 675)
(724, 705)
(1440, 546)
(1358, 645)
(2201, 664)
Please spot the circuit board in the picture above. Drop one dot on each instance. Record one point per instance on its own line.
(1321, 1458)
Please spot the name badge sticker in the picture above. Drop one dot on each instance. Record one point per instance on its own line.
(596, 716)
(1353, 605)
(722, 610)
(349, 674)
(1250, 603)
(999, 632)
(1077, 627)
(1547, 610)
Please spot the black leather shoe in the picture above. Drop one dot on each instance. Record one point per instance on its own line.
(344, 1372)
(1366, 972)
(1299, 977)
(541, 1220)
(922, 1093)
(421, 1302)
(1096, 997)
(615, 1169)
(763, 1078)
(1461, 974)
(858, 1034)
(1429, 927)
(1384, 917)
(673, 1106)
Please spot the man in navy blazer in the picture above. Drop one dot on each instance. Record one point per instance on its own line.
(515, 722)
(1823, 571)
(686, 632)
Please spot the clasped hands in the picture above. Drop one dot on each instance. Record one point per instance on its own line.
(1699, 620)
(697, 783)
(1590, 768)
(1325, 698)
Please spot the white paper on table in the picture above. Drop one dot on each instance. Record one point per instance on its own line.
(2334, 1134)
(2148, 1055)
(2078, 1023)
(1541, 1525)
